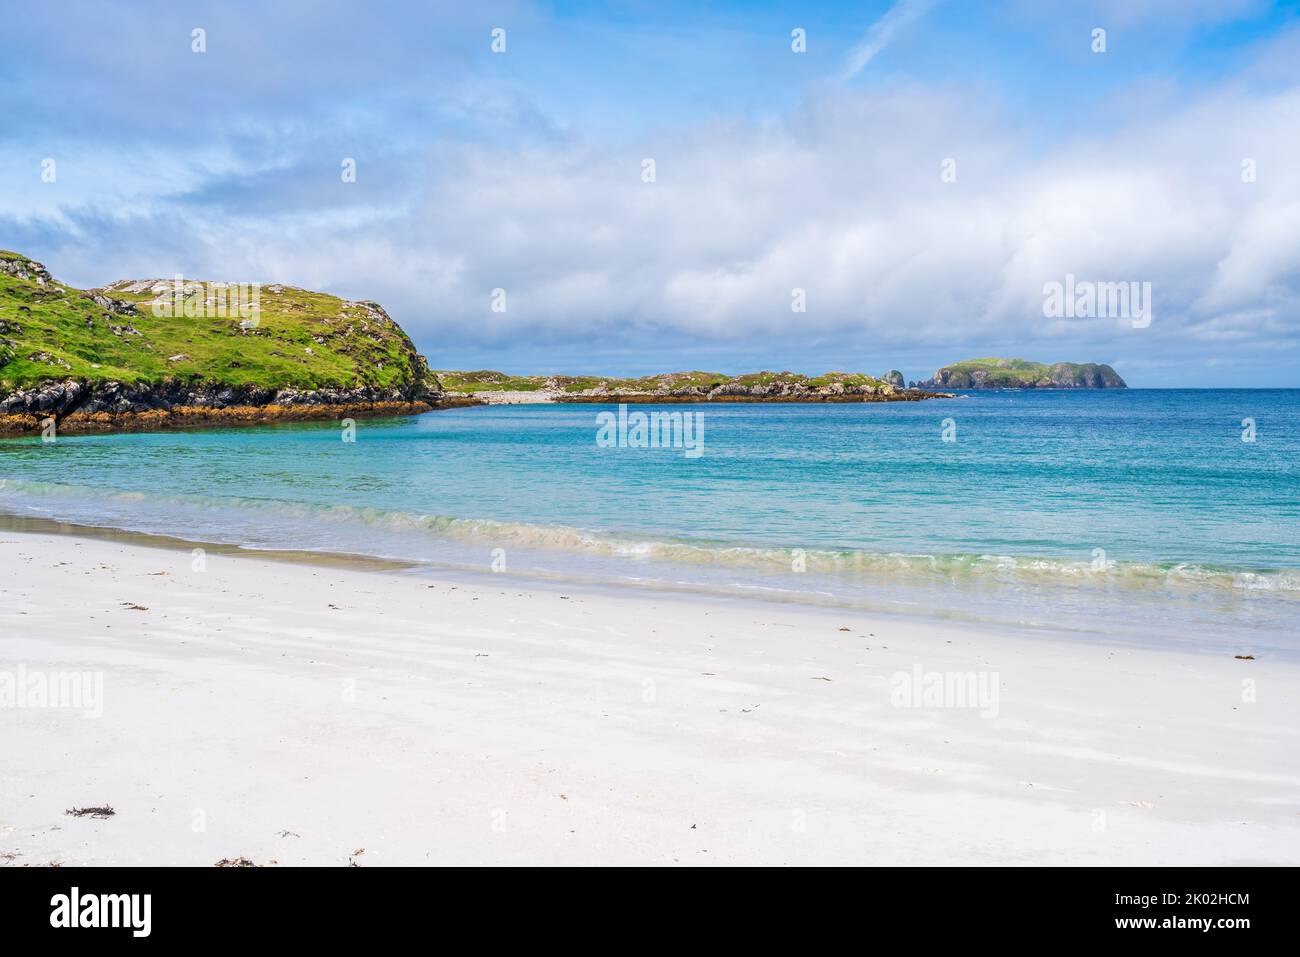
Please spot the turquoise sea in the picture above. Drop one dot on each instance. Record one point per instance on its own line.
(1140, 514)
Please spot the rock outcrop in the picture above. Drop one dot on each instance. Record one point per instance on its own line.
(496, 387)
(1022, 374)
(61, 399)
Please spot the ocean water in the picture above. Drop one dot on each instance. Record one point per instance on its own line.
(1141, 515)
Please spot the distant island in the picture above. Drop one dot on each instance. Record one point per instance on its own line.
(496, 388)
(1022, 374)
(150, 353)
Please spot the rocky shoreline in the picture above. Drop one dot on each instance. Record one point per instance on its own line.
(185, 416)
(780, 391)
(78, 407)
(907, 395)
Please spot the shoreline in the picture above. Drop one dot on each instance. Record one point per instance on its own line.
(1135, 603)
(17, 425)
(496, 722)
(948, 599)
(39, 525)
(660, 590)
(554, 397)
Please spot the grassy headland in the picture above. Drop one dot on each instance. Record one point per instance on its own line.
(995, 373)
(162, 346)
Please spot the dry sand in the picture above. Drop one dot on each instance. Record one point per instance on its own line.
(295, 714)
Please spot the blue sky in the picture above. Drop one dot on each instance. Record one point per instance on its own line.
(775, 170)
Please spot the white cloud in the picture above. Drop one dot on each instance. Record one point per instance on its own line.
(847, 202)
(882, 33)
(842, 197)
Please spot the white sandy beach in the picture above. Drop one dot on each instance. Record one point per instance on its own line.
(299, 714)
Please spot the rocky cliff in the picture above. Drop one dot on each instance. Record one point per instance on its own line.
(1022, 374)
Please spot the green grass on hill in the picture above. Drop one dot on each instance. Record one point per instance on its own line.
(486, 380)
(995, 365)
(1002, 370)
(298, 339)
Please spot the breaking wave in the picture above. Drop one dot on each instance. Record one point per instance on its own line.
(263, 523)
